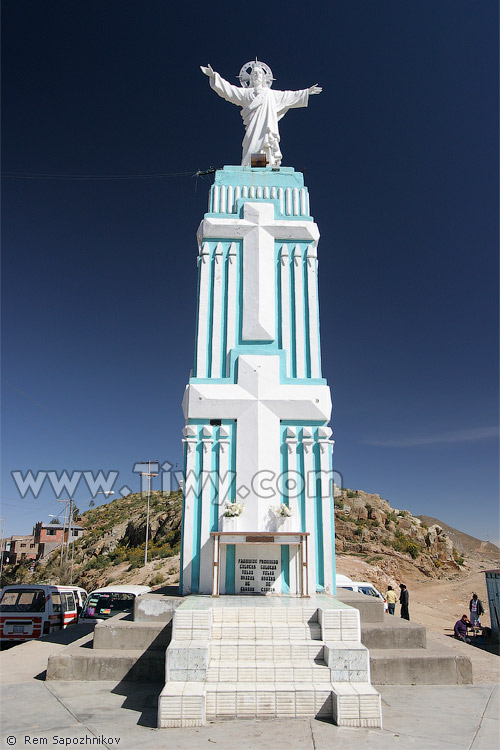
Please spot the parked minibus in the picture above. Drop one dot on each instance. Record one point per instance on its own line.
(29, 611)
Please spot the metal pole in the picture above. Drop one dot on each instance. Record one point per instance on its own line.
(147, 518)
(1, 548)
(101, 492)
(148, 474)
(64, 529)
(69, 533)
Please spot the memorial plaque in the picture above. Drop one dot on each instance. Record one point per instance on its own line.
(259, 539)
(258, 569)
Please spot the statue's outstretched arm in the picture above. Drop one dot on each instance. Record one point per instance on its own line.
(312, 90)
(209, 71)
(222, 87)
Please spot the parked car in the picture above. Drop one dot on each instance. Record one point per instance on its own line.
(111, 600)
(28, 611)
(362, 587)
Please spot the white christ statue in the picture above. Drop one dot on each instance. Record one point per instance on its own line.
(262, 108)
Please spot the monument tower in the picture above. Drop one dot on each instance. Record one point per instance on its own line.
(256, 406)
(258, 490)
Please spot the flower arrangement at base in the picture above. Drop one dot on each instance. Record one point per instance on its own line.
(234, 509)
(282, 511)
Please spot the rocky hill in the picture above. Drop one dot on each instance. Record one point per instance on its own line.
(465, 544)
(386, 546)
(112, 548)
(373, 541)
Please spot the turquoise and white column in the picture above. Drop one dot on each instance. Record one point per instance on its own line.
(257, 405)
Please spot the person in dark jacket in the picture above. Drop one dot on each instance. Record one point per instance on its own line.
(476, 609)
(460, 629)
(404, 600)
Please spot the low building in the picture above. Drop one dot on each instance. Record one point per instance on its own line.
(50, 536)
(22, 548)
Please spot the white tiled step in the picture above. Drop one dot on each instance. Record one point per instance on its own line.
(266, 650)
(182, 704)
(272, 631)
(264, 615)
(185, 704)
(356, 704)
(269, 700)
(297, 671)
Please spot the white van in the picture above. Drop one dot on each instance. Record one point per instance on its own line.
(80, 596)
(110, 601)
(362, 587)
(29, 611)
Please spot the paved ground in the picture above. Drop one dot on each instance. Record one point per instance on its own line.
(110, 715)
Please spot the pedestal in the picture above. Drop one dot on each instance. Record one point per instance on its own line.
(230, 523)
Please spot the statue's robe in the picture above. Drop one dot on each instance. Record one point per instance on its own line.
(262, 109)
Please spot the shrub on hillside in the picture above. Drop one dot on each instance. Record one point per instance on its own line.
(404, 544)
(156, 580)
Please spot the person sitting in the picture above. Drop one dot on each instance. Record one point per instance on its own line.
(460, 629)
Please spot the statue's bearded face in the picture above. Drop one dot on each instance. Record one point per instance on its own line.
(257, 76)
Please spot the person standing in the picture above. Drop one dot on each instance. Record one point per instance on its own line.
(476, 609)
(404, 600)
(391, 599)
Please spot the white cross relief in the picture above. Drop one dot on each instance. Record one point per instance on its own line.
(259, 230)
(258, 401)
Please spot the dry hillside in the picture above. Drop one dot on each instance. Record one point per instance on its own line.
(440, 565)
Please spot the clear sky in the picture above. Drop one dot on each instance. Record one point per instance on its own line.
(99, 275)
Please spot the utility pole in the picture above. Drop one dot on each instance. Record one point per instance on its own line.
(91, 498)
(148, 474)
(69, 533)
(64, 529)
(1, 548)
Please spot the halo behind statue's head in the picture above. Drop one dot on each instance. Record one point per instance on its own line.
(246, 72)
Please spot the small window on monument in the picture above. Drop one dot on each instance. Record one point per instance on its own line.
(216, 422)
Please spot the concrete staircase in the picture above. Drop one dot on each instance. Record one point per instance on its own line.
(399, 652)
(256, 657)
(121, 648)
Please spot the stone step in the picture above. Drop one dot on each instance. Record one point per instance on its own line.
(356, 704)
(265, 615)
(76, 663)
(393, 633)
(184, 704)
(271, 631)
(298, 670)
(429, 666)
(269, 700)
(370, 609)
(156, 607)
(266, 650)
(128, 635)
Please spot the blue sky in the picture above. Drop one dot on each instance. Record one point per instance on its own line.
(99, 275)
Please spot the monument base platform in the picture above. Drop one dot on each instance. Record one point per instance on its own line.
(267, 657)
